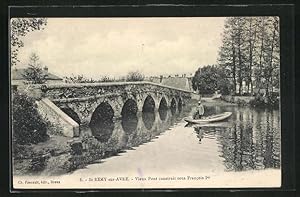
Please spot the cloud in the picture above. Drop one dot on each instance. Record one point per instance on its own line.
(114, 46)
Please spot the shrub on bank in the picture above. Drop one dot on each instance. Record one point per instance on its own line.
(27, 124)
(261, 101)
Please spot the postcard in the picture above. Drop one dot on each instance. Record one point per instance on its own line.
(145, 102)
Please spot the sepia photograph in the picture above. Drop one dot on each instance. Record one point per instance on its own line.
(145, 102)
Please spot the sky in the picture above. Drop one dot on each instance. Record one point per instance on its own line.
(113, 47)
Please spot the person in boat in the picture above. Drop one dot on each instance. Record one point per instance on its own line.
(199, 111)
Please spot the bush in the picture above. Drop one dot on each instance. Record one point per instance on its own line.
(27, 124)
(135, 76)
(261, 101)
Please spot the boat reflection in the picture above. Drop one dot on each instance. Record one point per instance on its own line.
(251, 142)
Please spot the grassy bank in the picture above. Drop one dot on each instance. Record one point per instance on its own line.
(35, 158)
(216, 102)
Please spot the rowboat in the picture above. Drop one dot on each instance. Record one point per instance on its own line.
(207, 119)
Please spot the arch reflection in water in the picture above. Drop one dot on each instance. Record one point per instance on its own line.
(148, 119)
(103, 130)
(163, 114)
(129, 123)
(120, 135)
(180, 104)
(129, 116)
(173, 106)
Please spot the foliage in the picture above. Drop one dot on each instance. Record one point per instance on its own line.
(261, 101)
(79, 79)
(35, 73)
(131, 76)
(19, 27)
(250, 54)
(95, 152)
(82, 79)
(106, 79)
(135, 76)
(208, 79)
(28, 125)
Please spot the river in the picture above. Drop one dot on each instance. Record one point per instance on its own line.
(162, 143)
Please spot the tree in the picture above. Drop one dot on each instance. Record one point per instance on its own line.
(35, 73)
(19, 27)
(27, 124)
(250, 53)
(251, 39)
(228, 54)
(135, 76)
(208, 79)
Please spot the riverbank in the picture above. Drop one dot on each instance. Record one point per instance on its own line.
(207, 101)
(36, 158)
(239, 100)
(58, 155)
(242, 101)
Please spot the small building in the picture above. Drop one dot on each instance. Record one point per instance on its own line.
(17, 76)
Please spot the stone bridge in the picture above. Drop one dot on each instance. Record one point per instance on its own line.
(88, 102)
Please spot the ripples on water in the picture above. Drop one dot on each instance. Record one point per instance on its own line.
(250, 139)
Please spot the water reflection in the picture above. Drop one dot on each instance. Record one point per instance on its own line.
(129, 124)
(250, 139)
(252, 142)
(148, 119)
(162, 114)
(102, 130)
(131, 131)
(173, 110)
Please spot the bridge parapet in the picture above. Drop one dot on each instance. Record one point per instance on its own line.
(80, 90)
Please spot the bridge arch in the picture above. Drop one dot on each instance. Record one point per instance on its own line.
(85, 101)
(149, 104)
(163, 105)
(129, 108)
(173, 105)
(104, 112)
(70, 112)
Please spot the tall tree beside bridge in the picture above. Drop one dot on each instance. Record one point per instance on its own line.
(250, 53)
(19, 27)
